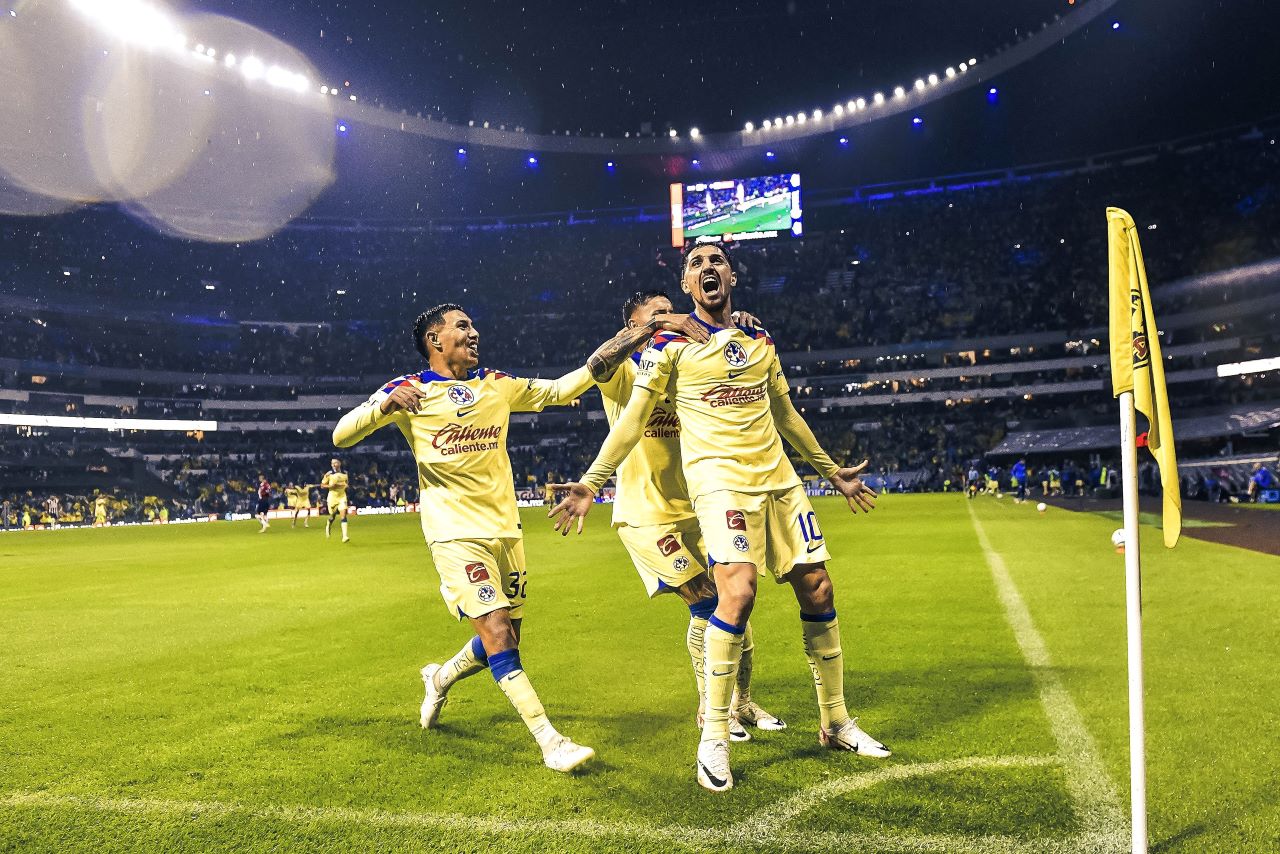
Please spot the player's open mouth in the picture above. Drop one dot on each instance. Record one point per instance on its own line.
(711, 284)
(474, 349)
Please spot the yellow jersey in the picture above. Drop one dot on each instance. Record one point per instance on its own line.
(336, 482)
(651, 486)
(459, 439)
(722, 390)
(299, 496)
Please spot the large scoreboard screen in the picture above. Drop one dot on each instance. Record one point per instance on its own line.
(736, 209)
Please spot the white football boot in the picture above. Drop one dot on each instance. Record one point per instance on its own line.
(850, 736)
(434, 701)
(565, 755)
(713, 766)
(751, 713)
(737, 732)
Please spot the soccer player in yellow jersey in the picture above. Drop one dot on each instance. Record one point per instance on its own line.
(335, 480)
(654, 519)
(299, 496)
(735, 409)
(455, 418)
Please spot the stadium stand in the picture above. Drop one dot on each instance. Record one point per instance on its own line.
(924, 326)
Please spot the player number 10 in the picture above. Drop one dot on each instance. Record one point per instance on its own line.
(809, 526)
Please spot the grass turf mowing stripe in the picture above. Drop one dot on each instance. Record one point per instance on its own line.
(768, 829)
(1087, 779)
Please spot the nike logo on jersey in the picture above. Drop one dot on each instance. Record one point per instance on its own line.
(733, 375)
(463, 413)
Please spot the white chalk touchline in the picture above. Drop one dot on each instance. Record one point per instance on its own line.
(1087, 781)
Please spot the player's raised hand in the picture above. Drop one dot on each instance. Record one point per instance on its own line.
(746, 318)
(576, 504)
(855, 492)
(404, 397)
(683, 324)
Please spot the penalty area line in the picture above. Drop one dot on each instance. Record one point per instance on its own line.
(1091, 789)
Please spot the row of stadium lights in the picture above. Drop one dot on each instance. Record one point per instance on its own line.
(149, 26)
(854, 106)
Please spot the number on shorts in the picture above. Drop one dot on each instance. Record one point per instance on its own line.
(517, 582)
(809, 526)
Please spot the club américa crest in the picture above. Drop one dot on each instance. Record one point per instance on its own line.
(735, 355)
(460, 395)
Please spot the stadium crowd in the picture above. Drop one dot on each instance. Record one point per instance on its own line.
(324, 303)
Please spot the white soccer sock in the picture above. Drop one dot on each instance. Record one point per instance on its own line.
(344, 529)
(465, 663)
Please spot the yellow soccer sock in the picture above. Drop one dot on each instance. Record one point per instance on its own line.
(826, 660)
(344, 529)
(744, 666)
(509, 674)
(722, 652)
(694, 639)
(470, 660)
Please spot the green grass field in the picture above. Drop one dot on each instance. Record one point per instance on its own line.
(204, 688)
(772, 216)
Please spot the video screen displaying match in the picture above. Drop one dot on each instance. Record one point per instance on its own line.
(736, 209)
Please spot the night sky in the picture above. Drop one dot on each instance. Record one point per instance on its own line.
(611, 66)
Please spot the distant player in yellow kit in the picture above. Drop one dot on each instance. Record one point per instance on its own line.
(299, 496)
(735, 408)
(455, 418)
(335, 480)
(654, 517)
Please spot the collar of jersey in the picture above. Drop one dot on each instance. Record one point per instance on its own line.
(714, 329)
(433, 377)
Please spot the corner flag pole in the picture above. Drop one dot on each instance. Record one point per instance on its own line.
(1133, 623)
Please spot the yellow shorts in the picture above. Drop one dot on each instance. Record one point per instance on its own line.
(337, 505)
(776, 531)
(666, 555)
(478, 577)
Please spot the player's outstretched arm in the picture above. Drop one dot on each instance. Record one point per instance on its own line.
(375, 412)
(622, 439)
(795, 430)
(612, 353)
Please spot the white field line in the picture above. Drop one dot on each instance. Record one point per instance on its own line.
(1087, 781)
(769, 822)
(745, 834)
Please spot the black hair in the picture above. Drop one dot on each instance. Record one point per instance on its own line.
(688, 250)
(428, 320)
(638, 299)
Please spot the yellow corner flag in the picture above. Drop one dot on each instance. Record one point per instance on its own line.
(1136, 363)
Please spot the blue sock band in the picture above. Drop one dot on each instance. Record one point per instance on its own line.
(705, 608)
(818, 618)
(726, 627)
(477, 651)
(504, 663)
